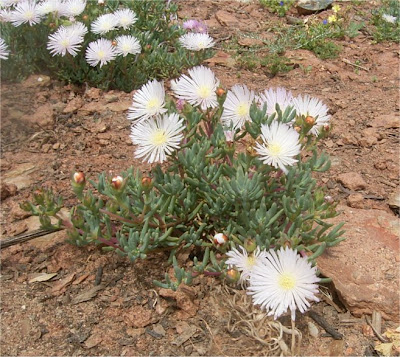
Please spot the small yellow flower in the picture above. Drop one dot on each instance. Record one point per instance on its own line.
(332, 18)
(335, 8)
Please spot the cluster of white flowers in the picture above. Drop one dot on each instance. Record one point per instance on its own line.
(279, 142)
(277, 280)
(69, 39)
(198, 39)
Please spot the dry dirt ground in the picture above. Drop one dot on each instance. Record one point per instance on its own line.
(100, 304)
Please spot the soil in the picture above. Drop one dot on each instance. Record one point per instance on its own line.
(101, 304)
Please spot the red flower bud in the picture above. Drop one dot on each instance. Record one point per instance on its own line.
(220, 239)
(220, 92)
(79, 178)
(310, 120)
(232, 276)
(114, 43)
(117, 182)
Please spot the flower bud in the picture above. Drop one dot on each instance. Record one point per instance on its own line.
(79, 178)
(250, 245)
(220, 92)
(114, 43)
(326, 127)
(52, 25)
(232, 276)
(297, 128)
(220, 239)
(329, 199)
(310, 120)
(117, 182)
(147, 183)
(85, 17)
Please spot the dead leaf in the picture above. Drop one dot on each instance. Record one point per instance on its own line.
(80, 279)
(61, 285)
(182, 338)
(42, 277)
(92, 341)
(87, 295)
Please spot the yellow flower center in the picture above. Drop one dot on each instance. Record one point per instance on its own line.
(65, 42)
(242, 109)
(126, 48)
(29, 15)
(152, 103)
(158, 138)
(204, 92)
(251, 260)
(101, 54)
(286, 281)
(275, 149)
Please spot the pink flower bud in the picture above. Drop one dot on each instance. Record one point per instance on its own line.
(232, 276)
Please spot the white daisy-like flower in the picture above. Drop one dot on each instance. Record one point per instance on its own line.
(280, 145)
(64, 40)
(4, 52)
(157, 138)
(101, 51)
(127, 44)
(272, 97)
(125, 17)
(237, 106)
(25, 12)
(389, 18)
(73, 7)
(104, 24)
(198, 88)
(308, 106)
(78, 28)
(196, 41)
(283, 280)
(244, 262)
(5, 15)
(50, 6)
(148, 102)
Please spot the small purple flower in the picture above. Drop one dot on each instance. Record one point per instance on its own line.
(180, 103)
(201, 27)
(325, 21)
(190, 24)
(281, 3)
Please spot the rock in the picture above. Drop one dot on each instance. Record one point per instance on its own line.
(20, 175)
(308, 7)
(352, 181)
(93, 93)
(363, 267)
(119, 106)
(7, 190)
(386, 121)
(139, 317)
(394, 200)
(184, 297)
(43, 116)
(226, 19)
(90, 108)
(356, 200)
(73, 105)
(37, 80)
(221, 58)
(367, 141)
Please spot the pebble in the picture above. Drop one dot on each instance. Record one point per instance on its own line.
(355, 200)
(352, 181)
(312, 329)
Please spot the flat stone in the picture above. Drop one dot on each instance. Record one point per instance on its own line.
(90, 108)
(20, 175)
(119, 106)
(356, 200)
(352, 181)
(364, 267)
(226, 19)
(73, 105)
(249, 42)
(386, 121)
